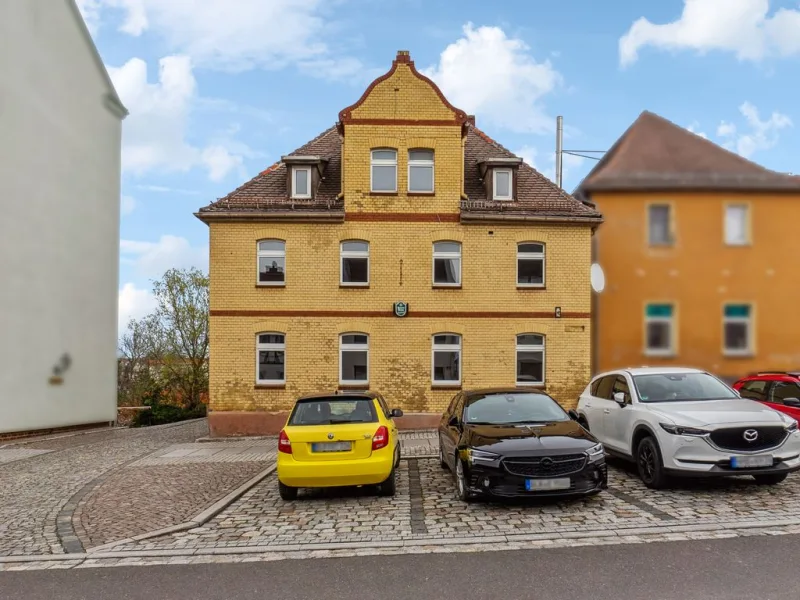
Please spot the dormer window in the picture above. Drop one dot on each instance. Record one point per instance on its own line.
(301, 182)
(420, 171)
(502, 184)
(383, 171)
(499, 177)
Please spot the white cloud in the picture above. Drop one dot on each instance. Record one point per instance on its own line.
(151, 259)
(487, 73)
(127, 205)
(154, 135)
(166, 190)
(762, 134)
(743, 27)
(695, 129)
(134, 303)
(568, 162)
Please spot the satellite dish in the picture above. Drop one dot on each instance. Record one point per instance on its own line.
(598, 278)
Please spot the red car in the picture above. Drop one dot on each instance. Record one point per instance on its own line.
(777, 389)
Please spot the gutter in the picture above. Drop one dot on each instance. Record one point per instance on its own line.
(515, 218)
(279, 216)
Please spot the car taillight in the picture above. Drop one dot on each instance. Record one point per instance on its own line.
(284, 445)
(381, 438)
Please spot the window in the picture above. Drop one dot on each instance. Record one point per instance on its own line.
(355, 263)
(659, 329)
(420, 171)
(736, 224)
(530, 265)
(530, 359)
(516, 407)
(781, 390)
(271, 262)
(447, 263)
(501, 184)
(621, 386)
(446, 359)
(604, 387)
(736, 326)
(333, 410)
(270, 358)
(678, 387)
(354, 358)
(754, 390)
(301, 182)
(383, 171)
(659, 225)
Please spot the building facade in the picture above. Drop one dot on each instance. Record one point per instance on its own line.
(61, 124)
(404, 251)
(699, 250)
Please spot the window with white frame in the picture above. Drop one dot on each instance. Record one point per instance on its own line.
(446, 359)
(446, 263)
(354, 358)
(530, 359)
(736, 224)
(737, 325)
(420, 171)
(271, 262)
(270, 358)
(659, 327)
(530, 264)
(660, 226)
(301, 182)
(383, 170)
(502, 187)
(354, 263)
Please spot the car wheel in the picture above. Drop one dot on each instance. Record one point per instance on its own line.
(287, 493)
(771, 479)
(389, 487)
(442, 461)
(462, 492)
(650, 465)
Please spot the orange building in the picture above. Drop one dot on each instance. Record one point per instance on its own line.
(701, 253)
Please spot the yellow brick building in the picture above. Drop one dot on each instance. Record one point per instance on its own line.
(403, 251)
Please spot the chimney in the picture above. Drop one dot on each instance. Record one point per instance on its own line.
(471, 120)
(403, 56)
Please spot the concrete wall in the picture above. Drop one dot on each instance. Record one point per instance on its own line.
(59, 231)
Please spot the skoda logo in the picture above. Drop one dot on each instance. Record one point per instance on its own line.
(547, 462)
(330, 436)
(750, 435)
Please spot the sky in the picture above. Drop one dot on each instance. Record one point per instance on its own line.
(218, 90)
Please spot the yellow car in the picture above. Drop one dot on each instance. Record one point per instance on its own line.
(337, 440)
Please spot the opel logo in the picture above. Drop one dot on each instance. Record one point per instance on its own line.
(547, 461)
(750, 435)
(330, 436)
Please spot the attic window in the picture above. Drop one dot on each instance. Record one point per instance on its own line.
(502, 184)
(301, 182)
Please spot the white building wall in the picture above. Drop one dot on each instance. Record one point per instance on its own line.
(59, 221)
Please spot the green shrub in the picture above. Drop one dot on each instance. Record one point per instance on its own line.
(161, 413)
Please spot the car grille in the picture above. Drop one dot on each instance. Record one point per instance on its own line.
(732, 438)
(545, 466)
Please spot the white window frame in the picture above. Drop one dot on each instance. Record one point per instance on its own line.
(424, 164)
(353, 254)
(446, 348)
(270, 348)
(446, 255)
(353, 348)
(294, 182)
(530, 348)
(270, 254)
(669, 321)
(382, 162)
(532, 256)
(748, 321)
(745, 213)
(510, 196)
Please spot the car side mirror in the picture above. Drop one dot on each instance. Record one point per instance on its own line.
(619, 398)
(573, 415)
(453, 422)
(793, 402)
(396, 412)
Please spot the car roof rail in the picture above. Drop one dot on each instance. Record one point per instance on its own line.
(771, 372)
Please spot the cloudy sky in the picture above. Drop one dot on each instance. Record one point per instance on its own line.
(219, 89)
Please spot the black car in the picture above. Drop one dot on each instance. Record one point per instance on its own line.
(511, 442)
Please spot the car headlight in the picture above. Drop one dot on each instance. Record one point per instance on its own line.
(481, 455)
(790, 424)
(680, 430)
(596, 453)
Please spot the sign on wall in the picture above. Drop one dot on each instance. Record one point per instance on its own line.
(400, 309)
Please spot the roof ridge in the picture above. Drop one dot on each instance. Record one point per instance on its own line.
(330, 129)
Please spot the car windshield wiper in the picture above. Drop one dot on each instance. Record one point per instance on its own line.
(528, 422)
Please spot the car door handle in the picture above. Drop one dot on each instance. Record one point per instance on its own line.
(606, 412)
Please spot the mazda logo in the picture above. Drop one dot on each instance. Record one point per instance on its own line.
(330, 436)
(547, 462)
(750, 435)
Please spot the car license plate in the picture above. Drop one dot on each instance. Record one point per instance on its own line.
(750, 462)
(331, 447)
(546, 485)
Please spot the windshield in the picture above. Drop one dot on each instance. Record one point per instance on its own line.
(677, 387)
(332, 411)
(504, 409)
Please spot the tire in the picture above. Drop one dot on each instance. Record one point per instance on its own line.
(462, 493)
(771, 479)
(442, 461)
(287, 493)
(389, 487)
(649, 464)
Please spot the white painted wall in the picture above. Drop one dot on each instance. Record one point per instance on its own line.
(59, 220)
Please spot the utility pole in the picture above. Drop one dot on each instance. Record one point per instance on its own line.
(559, 148)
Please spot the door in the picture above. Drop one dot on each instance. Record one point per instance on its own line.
(617, 419)
(600, 391)
(449, 434)
(785, 397)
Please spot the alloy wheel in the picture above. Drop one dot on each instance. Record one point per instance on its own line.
(647, 462)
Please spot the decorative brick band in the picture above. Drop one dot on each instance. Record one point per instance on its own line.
(430, 314)
(379, 217)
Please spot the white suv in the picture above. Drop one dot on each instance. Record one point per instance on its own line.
(687, 422)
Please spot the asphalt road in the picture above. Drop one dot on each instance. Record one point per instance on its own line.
(736, 568)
